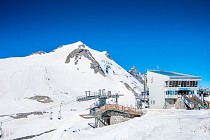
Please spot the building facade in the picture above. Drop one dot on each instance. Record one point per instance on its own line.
(166, 87)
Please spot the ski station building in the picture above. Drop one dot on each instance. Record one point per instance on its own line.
(166, 89)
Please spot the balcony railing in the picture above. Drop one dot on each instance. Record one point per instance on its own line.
(171, 96)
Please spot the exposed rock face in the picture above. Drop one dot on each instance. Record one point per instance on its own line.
(60, 47)
(129, 88)
(82, 52)
(108, 55)
(25, 115)
(39, 53)
(136, 74)
(41, 99)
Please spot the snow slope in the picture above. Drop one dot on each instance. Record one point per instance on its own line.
(43, 80)
(155, 125)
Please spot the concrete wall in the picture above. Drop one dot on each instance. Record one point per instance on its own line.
(113, 120)
(118, 119)
(170, 103)
(156, 84)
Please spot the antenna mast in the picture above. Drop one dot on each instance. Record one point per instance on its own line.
(59, 115)
(51, 113)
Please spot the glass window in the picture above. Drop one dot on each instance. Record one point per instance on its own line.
(179, 83)
(176, 84)
(191, 83)
(173, 84)
(170, 83)
(188, 83)
(166, 83)
(182, 83)
(185, 83)
(196, 83)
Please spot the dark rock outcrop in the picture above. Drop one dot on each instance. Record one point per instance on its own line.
(129, 88)
(108, 55)
(39, 53)
(25, 115)
(82, 52)
(136, 74)
(41, 99)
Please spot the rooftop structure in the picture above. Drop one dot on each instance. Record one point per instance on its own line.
(165, 87)
(176, 75)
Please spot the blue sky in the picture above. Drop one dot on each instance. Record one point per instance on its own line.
(170, 34)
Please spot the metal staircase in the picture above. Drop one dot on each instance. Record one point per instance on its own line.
(192, 102)
(195, 103)
(188, 102)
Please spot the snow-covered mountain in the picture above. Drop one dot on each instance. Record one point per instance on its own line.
(136, 74)
(43, 80)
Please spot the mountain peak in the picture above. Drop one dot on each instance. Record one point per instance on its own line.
(80, 44)
(82, 51)
(136, 74)
(134, 69)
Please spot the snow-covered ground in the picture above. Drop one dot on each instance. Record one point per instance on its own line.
(155, 125)
(170, 124)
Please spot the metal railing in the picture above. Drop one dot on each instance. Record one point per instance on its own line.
(171, 96)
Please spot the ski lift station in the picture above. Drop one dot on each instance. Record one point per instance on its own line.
(172, 89)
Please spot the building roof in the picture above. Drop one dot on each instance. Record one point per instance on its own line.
(176, 75)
